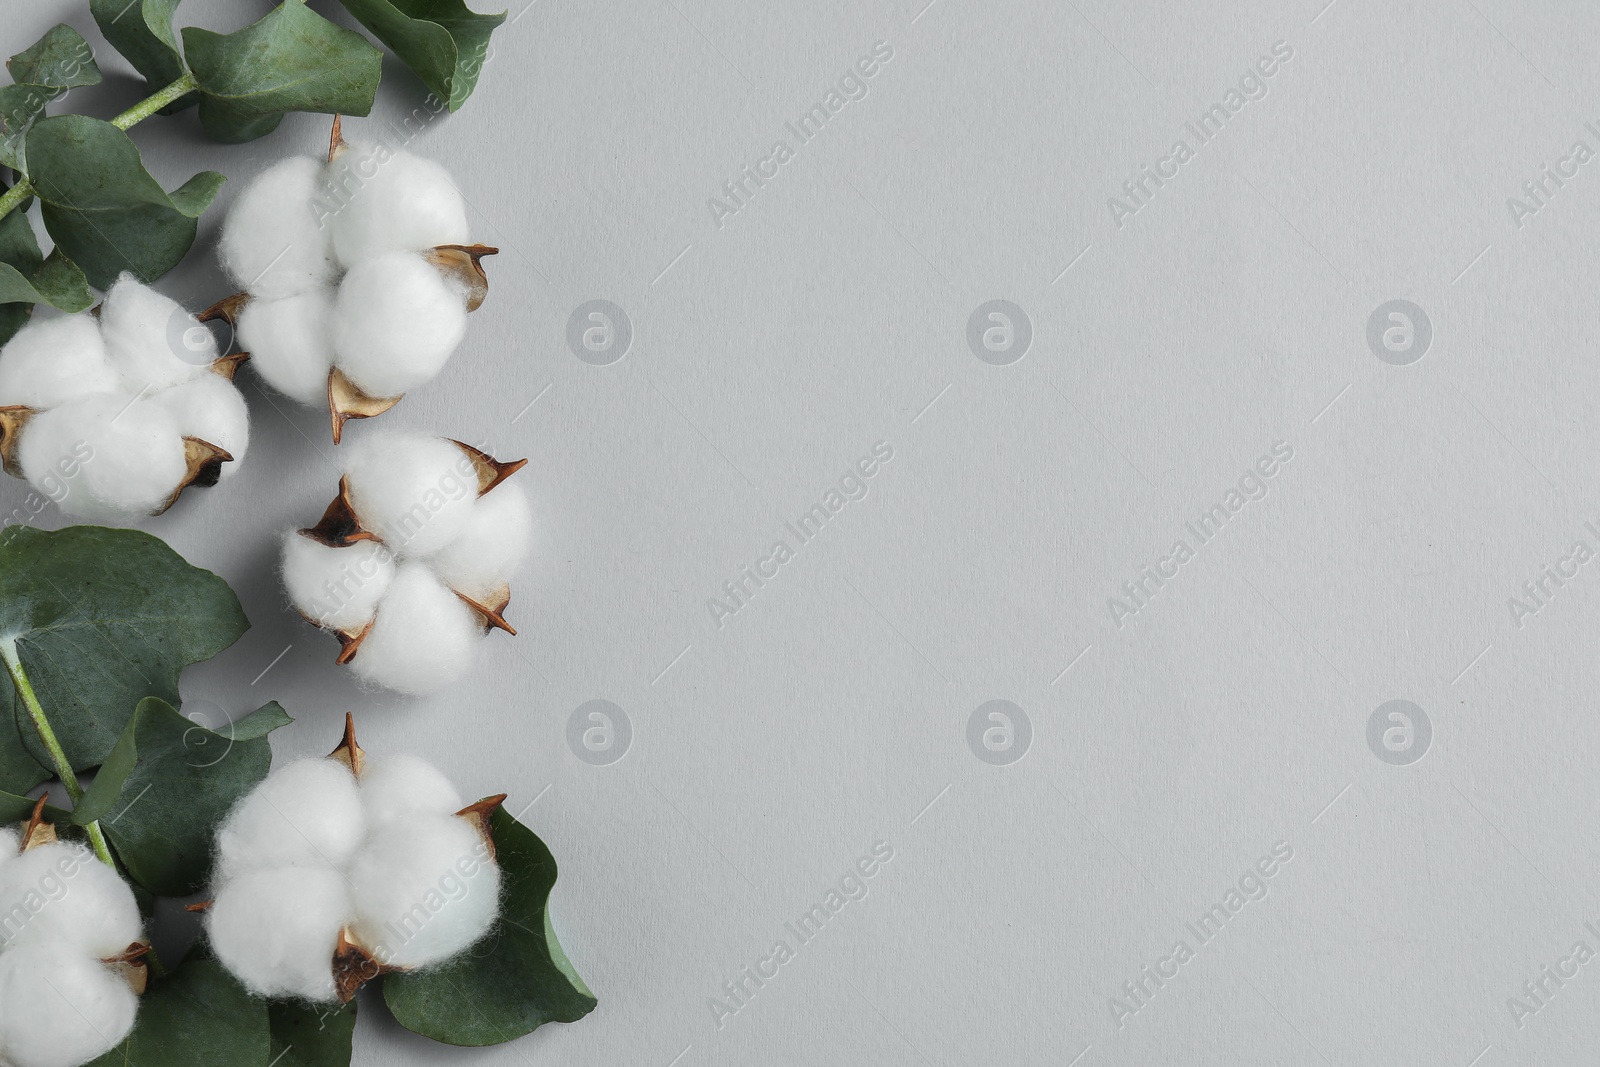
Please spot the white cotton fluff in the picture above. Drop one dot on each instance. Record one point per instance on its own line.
(290, 341)
(106, 457)
(306, 814)
(414, 491)
(111, 401)
(275, 243)
(10, 845)
(396, 323)
(60, 894)
(480, 561)
(53, 361)
(277, 929)
(211, 409)
(336, 588)
(422, 638)
(153, 342)
(400, 786)
(419, 887)
(386, 201)
(60, 1007)
(424, 889)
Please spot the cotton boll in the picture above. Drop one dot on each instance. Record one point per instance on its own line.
(277, 929)
(396, 323)
(154, 343)
(414, 491)
(290, 342)
(399, 787)
(52, 361)
(60, 1008)
(104, 457)
(212, 409)
(389, 201)
(306, 813)
(479, 562)
(423, 637)
(60, 894)
(336, 588)
(424, 889)
(274, 243)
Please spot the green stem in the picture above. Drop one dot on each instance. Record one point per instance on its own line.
(131, 117)
(58, 755)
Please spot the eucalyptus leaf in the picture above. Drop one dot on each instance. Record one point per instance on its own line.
(14, 808)
(61, 59)
(142, 31)
(311, 1035)
(57, 282)
(164, 789)
(444, 42)
(13, 317)
(102, 207)
(291, 60)
(197, 1016)
(20, 108)
(513, 981)
(99, 619)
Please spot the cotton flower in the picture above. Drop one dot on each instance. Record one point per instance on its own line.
(411, 565)
(356, 273)
(71, 952)
(113, 417)
(334, 871)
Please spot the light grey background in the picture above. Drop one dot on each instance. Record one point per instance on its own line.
(1168, 754)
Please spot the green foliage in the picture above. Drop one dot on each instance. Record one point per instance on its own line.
(291, 60)
(58, 61)
(304, 1035)
(166, 787)
(101, 619)
(444, 42)
(516, 979)
(142, 31)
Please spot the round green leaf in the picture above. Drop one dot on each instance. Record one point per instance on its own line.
(307, 1035)
(198, 1016)
(167, 785)
(101, 619)
(102, 207)
(444, 42)
(142, 31)
(512, 982)
(61, 59)
(291, 60)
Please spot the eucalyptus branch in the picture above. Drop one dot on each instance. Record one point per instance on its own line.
(58, 755)
(131, 117)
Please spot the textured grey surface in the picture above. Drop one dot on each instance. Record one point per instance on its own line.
(1170, 753)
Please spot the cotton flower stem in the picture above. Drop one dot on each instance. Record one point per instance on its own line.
(131, 117)
(58, 755)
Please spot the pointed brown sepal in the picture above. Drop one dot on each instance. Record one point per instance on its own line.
(353, 967)
(205, 468)
(493, 613)
(339, 525)
(349, 753)
(479, 815)
(38, 832)
(346, 401)
(228, 366)
(350, 642)
(491, 471)
(198, 906)
(463, 264)
(227, 309)
(12, 420)
(336, 141)
(132, 966)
